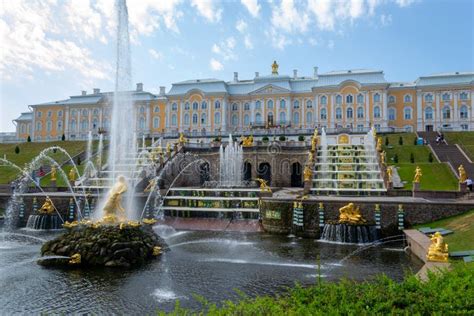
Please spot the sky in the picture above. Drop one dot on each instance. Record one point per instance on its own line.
(52, 49)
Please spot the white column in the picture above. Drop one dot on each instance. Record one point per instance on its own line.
(148, 119)
(288, 109)
(303, 115)
(438, 111)
(472, 110)
(367, 108)
(252, 107)
(167, 116)
(419, 111)
(316, 110)
(385, 109)
(224, 115)
(181, 113)
(208, 129)
(66, 122)
(332, 122)
(455, 107)
(33, 127)
(90, 119)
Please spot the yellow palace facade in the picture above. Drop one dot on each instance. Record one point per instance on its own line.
(350, 100)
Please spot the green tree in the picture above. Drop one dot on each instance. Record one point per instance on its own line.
(386, 141)
(301, 138)
(79, 160)
(282, 138)
(63, 138)
(415, 142)
(395, 158)
(17, 149)
(430, 157)
(400, 141)
(412, 157)
(28, 139)
(265, 139)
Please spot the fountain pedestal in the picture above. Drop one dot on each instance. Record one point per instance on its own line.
(416, 186)
(462, 187)
(307, 187)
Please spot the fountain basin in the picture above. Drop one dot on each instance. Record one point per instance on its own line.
(44, 221)
(347, 233)
(115, 245)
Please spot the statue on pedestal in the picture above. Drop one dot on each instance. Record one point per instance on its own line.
(438, 250)
(263, 185)
(389, 174)
(181, 139)
(53, 173)
(307, 173)
(72, 175)
(349, 214)
(113, 209)
(379, 144)
(418, 175)
(462, 174)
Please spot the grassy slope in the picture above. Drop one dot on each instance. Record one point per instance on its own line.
(30, 150)
(463, 139)
(463, 227)
(436, 176)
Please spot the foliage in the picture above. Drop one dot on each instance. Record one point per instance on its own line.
(282, 138)
(430, 157)
(400, 141)
(415, 141)
(217, 139)
(265, 139)
(301, 138)
(436, 176)
(17, 149)
(395, 158)
(63, 138)
(412, 158)
(450, 292)
(28, 139)
(78, 162)
(386, 141)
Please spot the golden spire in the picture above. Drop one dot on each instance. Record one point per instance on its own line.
(274, 68)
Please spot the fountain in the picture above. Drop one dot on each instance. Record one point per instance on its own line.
(230, 164)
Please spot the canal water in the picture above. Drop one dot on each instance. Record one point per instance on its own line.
(214, 265)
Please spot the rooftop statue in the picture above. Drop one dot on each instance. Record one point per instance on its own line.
(349, 214)
(47, 207)
(307, 173)
(462, 174)
(418, 175)
(263, 185)
(53, 173)
(438, 250)
(274, 68)
(113, 209)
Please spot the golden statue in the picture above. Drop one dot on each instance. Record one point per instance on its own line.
(72, 175)
(53, 173)
(113, 210)
(389, 174)
(47, 207)
(418, 175)
(379, 144)
(349, 214)
(307, 173)
(274, 68)
(462, 174)
(314, 143)
(75, 259)
(247, 141)
(438, 250)
(149, 221)
(264, 186)
(151, 185)
(71, 224)
(181, 139)
(383, 156)
(156, 251)
(168, 148)
(374, 132)
(315, 134)
(310, 157)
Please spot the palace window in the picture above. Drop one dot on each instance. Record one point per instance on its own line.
(463, 96)
(84, 124)
(463, 112)
(203, 119)
(106, 124)
(258, 105)
(407, 98)
(22, 129)
(446, 97)
(270, 104)
(38, 126)
(282, 104)
(376, 112)
(60, 113)
(282, 117)
(349, 98)
(73, 113)
(186, 106)
(324, 114)
(49, 126)
(338, 99)
(156, 122)
(324, 100)
(360, 98)
(96, 111)
(258, 118)
(85, 112)
(217, 118)
(391, 114)
(391, 99)
(174, 120)
(195, 119)
(429, 113)
(217, 105)
(464, 127)
(349, 113)
(407, 113)
(235, 107)
(186, 119)
(246, 120)
(296, 104)
(142, 110)
(360, 112)
(141, 123)
(338, 113)
(428, 97)
(309, 104)
(157, 109)
(94, 123)
(174, 107)
(50, 113)
(296, 118)
(309, 117)
(246, 106)
(38, 114)
(73, 125)
(235, 120)
(376, 97)
(195, 106)
(204, 105)
(446, 112)
(360, 127)
(377, 127)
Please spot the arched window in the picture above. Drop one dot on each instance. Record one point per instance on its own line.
(360, 112)
(309, 104)
(296, 118)
(217, 105)
(195, 105)
(174, 107)
(186, 106)
(376, 112)
(22, 129)
(38, 126)
(282, 104)
(157, 109)
(391, 114)
(407, 98)
(84, 124)
(338, 99)
(85, 112)
(270, 104)
(73, 113)
(106, 124)
(203, 118)
(446, 97)
(217, 118)
(258, 117)
(246, 107)
(282, 117)
(204, 105)
(429, 113)
(235, 120)
(407, 113)
(349, 113)
(60, 113)
(349, 98)
(156, 122)
(324, 114)
(174, 120)
(141, 123)
(309, 117)
(360, 98)
(235, 107)
(463, 96)
(246, 120)
(338, 113)
(48, 126)
(73, 125)
(186, 119)
(59, 126)
(95, 122)
(428, 97)
(296, 104)
(195, 119)
(446, 112)
(324, 100)
(391, 99)
(463, 112)
(258, 105)
(376, 97)
(50, 113)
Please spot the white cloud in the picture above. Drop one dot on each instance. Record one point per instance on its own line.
(215, 65)
(330, 44)
(248, 42)
(225, 49)
(208, 9)
(241, 26)
(404, 3)
(252, 6)
(386, 19)
(312, 41)
(277, 39)
(289, 18)
(155, 54)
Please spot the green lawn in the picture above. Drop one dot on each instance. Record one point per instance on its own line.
(463, 227)
(436, 176)
(30, 150)
(463, 139)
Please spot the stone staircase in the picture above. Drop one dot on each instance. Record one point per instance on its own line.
(449, 153)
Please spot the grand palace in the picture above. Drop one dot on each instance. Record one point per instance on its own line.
(350, 100)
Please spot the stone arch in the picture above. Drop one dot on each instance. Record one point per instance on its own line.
(296, 174)
(204, 172)
(264, 172)
(247, 171)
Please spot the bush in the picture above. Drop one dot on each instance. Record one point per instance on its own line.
(17, 150)
(395, 158)
(217, 139)
(28, 139)
(400, 141)
(265, 139)
(412, 157)
(282, 138)
(415, 142)
(78, 161)
(386, 141)
(63, 138)
(430, 157)
(301, 138)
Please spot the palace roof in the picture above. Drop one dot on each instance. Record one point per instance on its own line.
(25, 116)
(449, 78)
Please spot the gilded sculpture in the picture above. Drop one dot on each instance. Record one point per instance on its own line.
(72, 175)
(462, 174)
(310, 157)
(168, 148)
(275, 68)
(314, 143)
(389, 174)
(75, 259)
(47, 207)
(307, 173)
(379, 144)
(350, 214)
(263, 185)
(113, 209)
(151, 185)
(438, 250)
(383, 156)
(53, 173)
(181, 139)
(247, 141)
(418, 174)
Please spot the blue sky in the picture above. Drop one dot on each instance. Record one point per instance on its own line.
(51, 49)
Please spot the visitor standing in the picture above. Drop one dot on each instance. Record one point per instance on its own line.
(469, 184)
